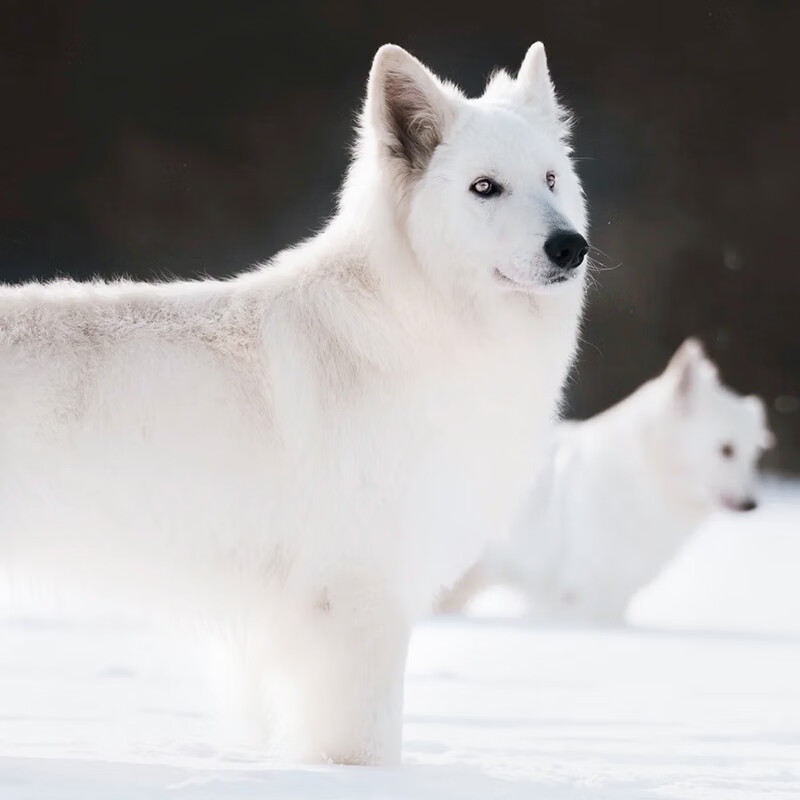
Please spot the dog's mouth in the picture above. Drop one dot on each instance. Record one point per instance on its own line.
(550, 280)
(505, 280)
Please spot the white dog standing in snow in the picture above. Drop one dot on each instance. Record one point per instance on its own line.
(620, 493)
(309, 452)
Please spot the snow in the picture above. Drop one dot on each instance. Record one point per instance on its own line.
(700, 699)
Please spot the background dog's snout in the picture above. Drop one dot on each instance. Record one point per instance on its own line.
(748, 505)
(566, 249)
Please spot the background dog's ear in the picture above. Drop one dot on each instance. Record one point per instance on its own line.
(687, 367)
(536, 87)
(755, 405)
(406, 106)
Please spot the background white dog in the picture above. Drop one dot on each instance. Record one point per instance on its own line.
(621, 492)
(308, 453)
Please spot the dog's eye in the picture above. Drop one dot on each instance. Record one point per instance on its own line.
(550, 178)
(485, 187)
(727, 450)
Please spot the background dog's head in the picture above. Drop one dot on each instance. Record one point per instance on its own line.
(717, 434)
(484, 188)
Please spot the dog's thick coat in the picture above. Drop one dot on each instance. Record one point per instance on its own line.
(310, 451)
(620, 494)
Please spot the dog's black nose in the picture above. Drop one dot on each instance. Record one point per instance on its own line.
(566, 249)
(748, 505)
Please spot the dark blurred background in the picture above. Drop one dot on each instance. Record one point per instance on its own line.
(178, 138)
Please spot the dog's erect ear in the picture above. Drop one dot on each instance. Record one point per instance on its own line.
(755, 405)
(688, 366)
(690, 351)
(534, 84)
(407, 106)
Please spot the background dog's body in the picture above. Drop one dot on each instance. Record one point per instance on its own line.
(307, 453)
(620, 493)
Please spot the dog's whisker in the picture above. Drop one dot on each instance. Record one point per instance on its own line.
(596, 249)
(586, 342)
(596, 266)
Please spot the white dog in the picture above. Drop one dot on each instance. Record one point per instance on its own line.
(620, 493)
(311, 451)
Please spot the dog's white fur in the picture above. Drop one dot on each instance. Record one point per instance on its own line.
(309, 452)
(620, 493)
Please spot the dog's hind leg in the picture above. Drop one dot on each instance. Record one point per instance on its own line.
(466, 589)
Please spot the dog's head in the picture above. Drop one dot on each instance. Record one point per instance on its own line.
(719, 434)
(484, 188)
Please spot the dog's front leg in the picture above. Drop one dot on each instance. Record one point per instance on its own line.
(349, 686)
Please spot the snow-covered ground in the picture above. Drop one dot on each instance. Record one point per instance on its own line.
(700, 700)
